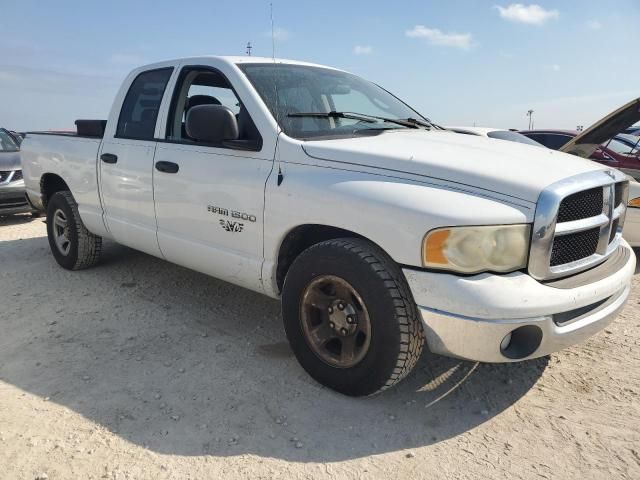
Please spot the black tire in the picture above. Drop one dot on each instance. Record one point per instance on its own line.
(84, 247)
(396, 335)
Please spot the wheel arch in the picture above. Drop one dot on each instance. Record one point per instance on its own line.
(301, 237)
(51, 183)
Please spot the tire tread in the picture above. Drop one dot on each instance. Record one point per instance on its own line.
(406, 312)
(89, 245)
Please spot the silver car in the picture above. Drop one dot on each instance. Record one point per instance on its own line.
(12, 193)
(631, 230)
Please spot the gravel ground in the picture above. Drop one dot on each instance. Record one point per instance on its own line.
(141, 369)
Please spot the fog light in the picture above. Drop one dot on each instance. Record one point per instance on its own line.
(521, 342)
(506, 341)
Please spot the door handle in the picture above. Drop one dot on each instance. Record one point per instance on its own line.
(167, 167)
(109, 158)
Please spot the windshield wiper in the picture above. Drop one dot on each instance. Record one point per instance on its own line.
(416, 121)
(333, 114)
(363, 117)
(405, 122)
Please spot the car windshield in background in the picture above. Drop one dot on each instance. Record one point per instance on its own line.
(513, 137)
(622, 147)
(314, 102)
(6, 142)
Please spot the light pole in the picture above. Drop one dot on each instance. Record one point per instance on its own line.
(530, 115)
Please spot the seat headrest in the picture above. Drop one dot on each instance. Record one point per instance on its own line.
(197, 100)
(148, 114)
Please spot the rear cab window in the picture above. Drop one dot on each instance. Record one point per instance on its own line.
(140, 108)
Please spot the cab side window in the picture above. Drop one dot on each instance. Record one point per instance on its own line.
(141, 105)
(203, 86)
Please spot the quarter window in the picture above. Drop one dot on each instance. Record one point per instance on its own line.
(141, 105)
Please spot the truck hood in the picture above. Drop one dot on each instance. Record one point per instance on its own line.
(603, 130)
(9, 161)
(497, 166)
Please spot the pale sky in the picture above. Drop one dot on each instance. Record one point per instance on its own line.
(457, 62)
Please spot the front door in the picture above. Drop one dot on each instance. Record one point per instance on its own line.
(210, 198)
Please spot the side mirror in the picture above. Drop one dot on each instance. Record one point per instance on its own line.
(211, 124)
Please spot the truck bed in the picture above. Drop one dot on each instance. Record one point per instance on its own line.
(84, 128)
(70, 157)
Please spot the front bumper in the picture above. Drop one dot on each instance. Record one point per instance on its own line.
(13, 199)
(506, 318)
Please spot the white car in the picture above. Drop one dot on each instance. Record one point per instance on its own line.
(496, 133)
(377, 229)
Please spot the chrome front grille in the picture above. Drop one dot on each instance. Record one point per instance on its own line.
(10, 175)
(577, 206)
(578, 223)
(574, 246)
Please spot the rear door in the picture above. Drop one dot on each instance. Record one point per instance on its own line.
(209, 199)
(126, 162)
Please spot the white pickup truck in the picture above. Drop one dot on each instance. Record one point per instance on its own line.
(378, 229)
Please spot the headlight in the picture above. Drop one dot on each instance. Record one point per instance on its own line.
(499, 248)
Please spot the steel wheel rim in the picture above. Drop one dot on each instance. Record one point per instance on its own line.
(60, 232)
(335, 321)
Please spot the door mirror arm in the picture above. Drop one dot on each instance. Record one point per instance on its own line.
(246, 145)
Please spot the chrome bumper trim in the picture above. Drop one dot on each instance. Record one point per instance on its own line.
(479, 339)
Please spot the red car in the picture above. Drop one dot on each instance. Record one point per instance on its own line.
(615, 152)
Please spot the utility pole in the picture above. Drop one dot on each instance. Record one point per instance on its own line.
(530, 115)
(249, 47)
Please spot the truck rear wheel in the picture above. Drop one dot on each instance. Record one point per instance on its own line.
(350, 317)
(72, 245)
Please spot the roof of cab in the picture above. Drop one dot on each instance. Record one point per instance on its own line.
(236, 60)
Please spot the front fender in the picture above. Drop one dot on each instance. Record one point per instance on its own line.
(394, 213)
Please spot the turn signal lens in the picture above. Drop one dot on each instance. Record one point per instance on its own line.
(500, 248)
(634, 202)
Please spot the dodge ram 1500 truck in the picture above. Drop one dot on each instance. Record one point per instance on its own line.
(376, 228)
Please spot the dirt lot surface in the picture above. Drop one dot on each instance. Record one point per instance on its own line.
(139, 369)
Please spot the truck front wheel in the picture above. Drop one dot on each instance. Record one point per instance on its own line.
(350, 317)
(72, 245)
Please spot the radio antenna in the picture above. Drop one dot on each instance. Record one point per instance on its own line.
(275, 81)
(273, 37)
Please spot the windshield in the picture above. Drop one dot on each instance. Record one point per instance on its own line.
(622, 147)
(292, 90)
(513, 137)
(6, 142)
